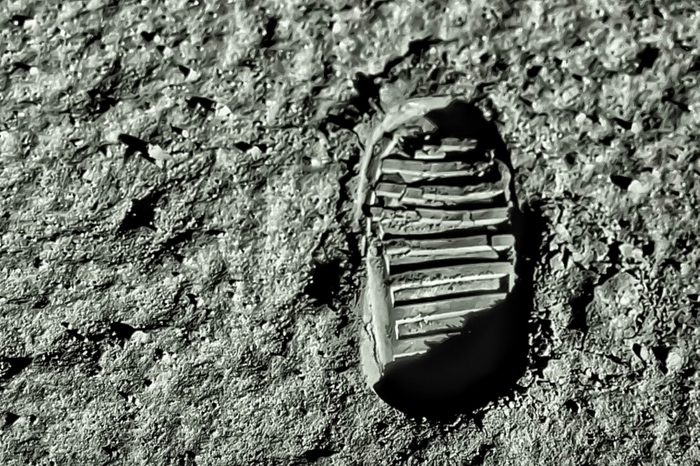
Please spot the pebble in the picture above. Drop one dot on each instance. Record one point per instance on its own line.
(636, 187)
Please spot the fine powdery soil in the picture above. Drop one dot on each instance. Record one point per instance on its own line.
(183, 238)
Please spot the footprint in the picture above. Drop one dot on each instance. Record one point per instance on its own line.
(444, 318)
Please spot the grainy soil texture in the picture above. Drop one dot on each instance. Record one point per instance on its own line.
(177, 276)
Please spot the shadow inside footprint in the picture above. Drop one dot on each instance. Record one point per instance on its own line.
(465, 372)
(483, 361)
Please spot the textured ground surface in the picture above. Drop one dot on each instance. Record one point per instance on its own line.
(176, 286)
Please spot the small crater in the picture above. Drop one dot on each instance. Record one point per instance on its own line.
(100, 101)
(661, 354)
(147, 36)
(480, 456)
(242, 146)
(135, 145)
(378, 428)
(669, 96)
(121, 330)
(141, 213)
(621, 181)
(579, 305)
(533, 71)
(624, 124)
(572, 406)
(10, 367)
(646, 58)
(684, 441)
(607, 140)
(18, 65)
(187, 459)
(203, 103)
(268, 39)
(41, 302)
(9, 419)
(325, 281)
(316, 454)
(570, 159)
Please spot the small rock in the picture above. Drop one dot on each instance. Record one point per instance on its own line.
(636, 187)
(629, 251)
(557, 262)
(675, 360)
(563, 234)
(94, 5)
(637, 127)
(222, 111)
(159, 155)
(686, 269)
(140, 337)
(644, 354)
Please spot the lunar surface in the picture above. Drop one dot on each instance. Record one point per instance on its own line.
(182, 271)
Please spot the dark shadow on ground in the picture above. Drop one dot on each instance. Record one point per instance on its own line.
(486, 359)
